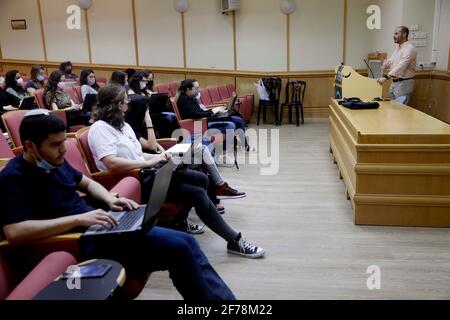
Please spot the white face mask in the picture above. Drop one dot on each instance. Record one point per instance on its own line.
(20, 82)
(143, 85)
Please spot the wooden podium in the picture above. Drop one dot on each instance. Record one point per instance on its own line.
(395, 161)
(349, 83)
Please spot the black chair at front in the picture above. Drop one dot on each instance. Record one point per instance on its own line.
(295, 94)
(273, 87)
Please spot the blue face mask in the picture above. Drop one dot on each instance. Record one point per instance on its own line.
(40, 78)
(44, 165)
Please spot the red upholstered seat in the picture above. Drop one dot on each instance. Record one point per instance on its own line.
(45, 272)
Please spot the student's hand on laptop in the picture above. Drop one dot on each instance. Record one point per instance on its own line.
(122, 204)
(166, 156)
(100, 217)
(219, 110)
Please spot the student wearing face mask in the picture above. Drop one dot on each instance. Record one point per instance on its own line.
(37, 80)
(88, 83)
(14, 85)
(164, 122)
(66, 69)
(58, 99)
(120, 78)
(14, 88)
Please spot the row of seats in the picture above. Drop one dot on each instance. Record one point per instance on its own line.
(214, 96)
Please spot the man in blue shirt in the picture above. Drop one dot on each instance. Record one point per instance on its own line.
(38, 200)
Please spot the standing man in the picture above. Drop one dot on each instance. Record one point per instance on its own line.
(402, 66)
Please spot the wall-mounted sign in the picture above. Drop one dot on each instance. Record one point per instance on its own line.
(19, 24)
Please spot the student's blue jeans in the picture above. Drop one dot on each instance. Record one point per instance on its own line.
(164, 249)
(230, 123)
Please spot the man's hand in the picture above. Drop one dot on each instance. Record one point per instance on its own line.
(100, 217)
(122, 204)
(381, 81)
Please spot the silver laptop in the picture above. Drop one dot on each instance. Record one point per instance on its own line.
(143, 218)
(184, 153)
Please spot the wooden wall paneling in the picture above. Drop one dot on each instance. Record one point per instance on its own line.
(208, 81)
(440, 100)
(161, 78)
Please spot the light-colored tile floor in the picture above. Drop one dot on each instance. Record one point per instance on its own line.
(314, 250)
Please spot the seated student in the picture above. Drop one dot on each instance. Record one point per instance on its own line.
(42, 176)
(151, 81)
(5, 105)
(57, 99)
(165, 122)
(120, 78)
(66, 69)
(130, 72)
(14, 89)
(115, 147)
(37, 80)
(88, 83)
(188, 95)
(138, 117)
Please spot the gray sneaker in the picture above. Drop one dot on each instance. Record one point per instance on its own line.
(244, 248)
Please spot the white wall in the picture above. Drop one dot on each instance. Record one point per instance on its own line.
(209, 36)
(317, 29)
(391, 17)
(261, 36)
(316, 33)
(62, 43)
(444, 36)
(112, 34)
(159, 34)
(421, 12)
(21, 44)
(359, 37)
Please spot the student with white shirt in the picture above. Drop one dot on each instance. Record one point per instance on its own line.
(402, 66)
(115, 147)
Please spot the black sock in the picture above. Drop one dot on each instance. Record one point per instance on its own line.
(239, 236)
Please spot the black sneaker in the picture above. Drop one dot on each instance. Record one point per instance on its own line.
(244, 248)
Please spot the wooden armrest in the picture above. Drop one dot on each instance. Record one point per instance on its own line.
(193, 120)
(18, 151)
(71, 134)
(115, 173)
(3, 162)
(166, 140)
(61, 238)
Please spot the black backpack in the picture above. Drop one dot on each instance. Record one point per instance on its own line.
(358, 104)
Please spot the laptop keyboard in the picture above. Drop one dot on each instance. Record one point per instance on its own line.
(128, 220)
